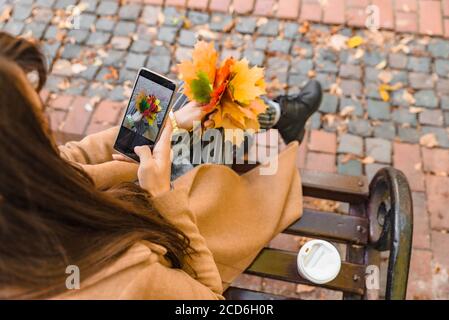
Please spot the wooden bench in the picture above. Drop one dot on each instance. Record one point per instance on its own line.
(380, 218)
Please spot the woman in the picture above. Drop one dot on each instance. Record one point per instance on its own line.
(72, 207)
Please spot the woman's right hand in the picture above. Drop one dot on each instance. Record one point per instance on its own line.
(155, 167)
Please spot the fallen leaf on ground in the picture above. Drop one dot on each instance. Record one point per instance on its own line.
(304, 28)
(407, 96)
(381, 65)
(428, 140)
(385, 76)
(355, 41)
(415, 109)
(347, 111)
(78, 68)
(368, 160)
(338, 42)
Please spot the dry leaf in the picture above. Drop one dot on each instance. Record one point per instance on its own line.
(304, 28)
(6, 13)
(418, 166)
(407, 96)
(428, 140)
(384, 94)
(368, 160)
(338, 42)
(415, 110)
(381, 65)
(347, 111)
(355, 41)
(78, 68)
(385, 76)
(359, 53)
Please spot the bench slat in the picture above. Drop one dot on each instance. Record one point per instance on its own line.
(281, 265)
(330, 226)
(234, 293)
(334, 186)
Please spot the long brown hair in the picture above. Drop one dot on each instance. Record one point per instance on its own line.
(51, 215)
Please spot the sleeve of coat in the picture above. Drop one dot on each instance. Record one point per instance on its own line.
(173, 206)
(93, 149)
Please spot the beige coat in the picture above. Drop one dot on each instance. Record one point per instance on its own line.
(228, 218)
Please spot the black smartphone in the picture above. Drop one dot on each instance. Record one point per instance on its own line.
(146, 113)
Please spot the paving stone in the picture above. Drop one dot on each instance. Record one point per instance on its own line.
(352, 167)
(350, 71)
(107, 8)
(398, 98)
(385, 130)
(327, 54)
(255, 57)
(371, 74)
(291, 30)
(246, 25)
(174, 17)
(301, 66)
(315, 121)
(323, 162)
(105, 24)
(183, 53)
(360, 127)
(426, 98)
(379, 149)
(261, 43)
(302, 49)
(130, 11)
(135, 61)
(351, 87)
(435, 160)
(146, 33)
(397, 60)
(372, 91)
(52, 32)
(36, 29)
(120, 42)
(373, 58)
(87, 20)
(160, 51)
(14, 27)
(269, 28)
(347, 57)
(187, 38)
(372, 168)
(63, 4)
(127, 75)
(78, 117)
(45, 3)
(21, 12)
(89, 73)
(443, 87)
(98, 38)
(446, 118)
(421, 225)
(431, 117)
(91, 5)
(221, 22)
(159, 64)
(114, 58)
(410, 135)
(326, 66)
(439, 48)
(77, 86)
(441, 135)
(117, 94)
(167, 34)
(329, 103)
(140, 46)
(420, 286)
(378, 110)
(71, 51)
(325, 79)
(404, 116)
(350, 144)
(97, 89)
(351, 103)
(407, 158)
(420, 80)
(442, 67)
(445, 102)
(79, 36)
(198, 18)
(437, 200)
(399, 77)
(236, 54)
(419, 64)
(322, 141)
(124, 28)
(280, 45)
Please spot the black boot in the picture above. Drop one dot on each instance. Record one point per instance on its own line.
(296, 110)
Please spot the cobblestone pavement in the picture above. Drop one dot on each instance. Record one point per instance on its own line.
(355, 132)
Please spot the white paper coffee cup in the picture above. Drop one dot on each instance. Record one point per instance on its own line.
(318, 261)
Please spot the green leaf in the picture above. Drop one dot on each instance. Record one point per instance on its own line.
(201, 88)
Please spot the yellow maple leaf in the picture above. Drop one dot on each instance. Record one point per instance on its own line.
(247, 83)
(355, 41)
(204, 59)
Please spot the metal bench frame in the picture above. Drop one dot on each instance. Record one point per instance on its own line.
(380, 218)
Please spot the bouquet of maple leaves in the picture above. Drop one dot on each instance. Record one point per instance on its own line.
(228, 93)
(148, 106)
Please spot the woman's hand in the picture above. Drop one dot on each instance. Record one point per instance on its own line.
(188, 114)
(155, 167)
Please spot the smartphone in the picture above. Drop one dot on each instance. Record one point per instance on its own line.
(146, 113)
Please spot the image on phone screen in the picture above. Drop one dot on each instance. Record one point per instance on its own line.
(145, 114)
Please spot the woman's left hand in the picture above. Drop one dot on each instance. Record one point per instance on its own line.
(186, 115)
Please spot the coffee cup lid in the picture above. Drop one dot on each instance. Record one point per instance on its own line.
(318, 261)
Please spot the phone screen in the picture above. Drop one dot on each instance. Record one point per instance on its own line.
(145, 115)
